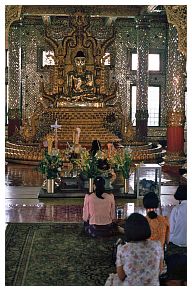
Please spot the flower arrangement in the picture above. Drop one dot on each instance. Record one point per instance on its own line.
(87, 164)
(51, 165)
(122, 160)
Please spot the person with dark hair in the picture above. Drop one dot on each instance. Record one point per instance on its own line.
(139, 260)
(99, 210)
(102, 162)
(95, 147)
(176, 274)
(178, 223)
(159, 224)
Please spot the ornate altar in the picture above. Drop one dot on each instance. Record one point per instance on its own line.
(78, 94)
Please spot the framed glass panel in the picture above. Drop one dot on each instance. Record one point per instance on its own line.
(153, 105)
(107, 59)
(147, 178)
(134, 61)
(133, 105)
(48, 59)
(44, 58)
(153, 62)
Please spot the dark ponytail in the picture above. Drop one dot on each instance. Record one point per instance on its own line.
(152, 214)
(100, 186)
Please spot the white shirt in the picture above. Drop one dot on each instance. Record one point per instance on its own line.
(178, 224)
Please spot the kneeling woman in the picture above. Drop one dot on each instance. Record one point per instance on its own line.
(99, 210)
(139, 260)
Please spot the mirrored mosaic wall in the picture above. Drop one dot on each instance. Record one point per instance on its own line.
(26, 42)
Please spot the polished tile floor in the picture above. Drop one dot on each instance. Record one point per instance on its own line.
(22, 185)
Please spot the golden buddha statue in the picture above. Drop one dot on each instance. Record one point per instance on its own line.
(80, 80)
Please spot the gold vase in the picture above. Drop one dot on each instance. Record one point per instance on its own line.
(126, 185)
(119, 178)
(50, 185)
(91, 185)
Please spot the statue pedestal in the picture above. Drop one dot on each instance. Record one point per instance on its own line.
(63, 103)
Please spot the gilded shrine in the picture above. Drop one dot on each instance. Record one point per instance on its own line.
(77, 94)
(78, 90)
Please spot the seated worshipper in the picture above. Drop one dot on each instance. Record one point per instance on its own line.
(138, 261)
(178, 223)
(159, 224)
(99, 210)
(176, 274)
(95, 149)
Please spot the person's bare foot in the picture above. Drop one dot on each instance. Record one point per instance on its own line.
(121, 229)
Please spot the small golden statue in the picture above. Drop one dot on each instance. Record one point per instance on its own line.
(27, 133)
(76, 137)
(50, 139)
(128, 133)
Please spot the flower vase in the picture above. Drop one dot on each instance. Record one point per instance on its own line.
(119, 178)
(126, 185)
(91, 185)
(50, 185)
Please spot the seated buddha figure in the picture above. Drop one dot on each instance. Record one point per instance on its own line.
(80, 80)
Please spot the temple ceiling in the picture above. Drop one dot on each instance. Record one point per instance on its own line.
(93, 10)
(176, 14)
(110, 12)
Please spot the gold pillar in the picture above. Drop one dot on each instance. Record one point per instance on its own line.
(176, 86)
(177, 15)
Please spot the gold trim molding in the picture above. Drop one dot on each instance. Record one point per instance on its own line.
(12, 13)
(174, 158)
(101, 10)
(177, 15)
(175, 119)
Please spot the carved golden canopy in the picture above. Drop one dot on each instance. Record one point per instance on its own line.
(69, 81)
(176, 14)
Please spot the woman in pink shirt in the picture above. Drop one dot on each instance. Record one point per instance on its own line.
(99, 210)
